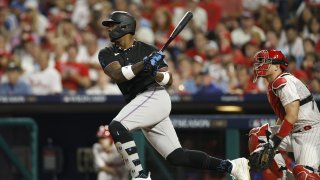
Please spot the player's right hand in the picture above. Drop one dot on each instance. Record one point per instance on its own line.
(152, 61)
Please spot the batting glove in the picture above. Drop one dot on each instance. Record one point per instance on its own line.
(152, 62)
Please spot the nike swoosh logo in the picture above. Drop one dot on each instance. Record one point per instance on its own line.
(116, 54)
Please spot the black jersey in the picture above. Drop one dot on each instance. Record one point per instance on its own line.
(130, 56)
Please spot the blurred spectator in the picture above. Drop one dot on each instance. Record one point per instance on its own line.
(303, 18)
(39, 22)
(271, 40)
(107, 160)
(295, 70)
(8, 21)
(4, 60)
(185, 69)
(26, 52)
(249, 49)
(199, 22)
(162, 27)
(99, 10)
(315, 81)
(224, 38)
(245, 83)
(88, 54)
(313, 31)
(177, 86)
(277, 27)
(315, 73)
(254, 5)
(4, 45)
(46, 81)
(215, 67)
(214, 13)
(211, 50)
(266, 15)
(310, 59)
(148, 8)
(144, 32)
(15, 85)
(200, 44)
(135, 10)
(100, 31)
(104, 86)
(309, 45)
(248, 31)
(207, 85)
(68, 32)
(58, 54)
(315, 85)
(58, 10)
(121, 5)
(81, 14)
(230, 8)
(293, 43)
(75, 76)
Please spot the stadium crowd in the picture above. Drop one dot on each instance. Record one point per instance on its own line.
(51, 46)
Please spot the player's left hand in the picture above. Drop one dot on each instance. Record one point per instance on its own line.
(262, 157)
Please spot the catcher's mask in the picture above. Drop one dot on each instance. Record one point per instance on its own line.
(264, 58)
(125, 24)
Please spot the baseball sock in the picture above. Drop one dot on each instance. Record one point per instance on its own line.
(198, 160)
(127, 148)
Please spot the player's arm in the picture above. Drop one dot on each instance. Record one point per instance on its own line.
(286, 126)
(291, 117)
(292, 110)
(287, 92)
(108, 169)
(164, 77)
(120, 73)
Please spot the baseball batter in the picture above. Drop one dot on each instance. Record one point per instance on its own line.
(141, 74)
(298, 129)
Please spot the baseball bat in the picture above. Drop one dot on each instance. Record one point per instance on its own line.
(183, 22)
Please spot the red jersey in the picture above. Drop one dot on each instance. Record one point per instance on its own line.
(72, 67)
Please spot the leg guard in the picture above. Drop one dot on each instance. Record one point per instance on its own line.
(278, 166)
(268, 174)
(302, 173)
(126, 148)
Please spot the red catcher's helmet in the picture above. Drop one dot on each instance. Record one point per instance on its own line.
(264, 58)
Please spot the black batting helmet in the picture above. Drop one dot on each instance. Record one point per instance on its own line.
(125, 21)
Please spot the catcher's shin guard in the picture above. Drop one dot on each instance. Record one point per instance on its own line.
(268, 174)
(278, 171)
(302, 173)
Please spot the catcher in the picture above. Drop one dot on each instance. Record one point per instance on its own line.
(298, 126)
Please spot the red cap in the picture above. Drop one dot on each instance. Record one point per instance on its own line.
(103, 132)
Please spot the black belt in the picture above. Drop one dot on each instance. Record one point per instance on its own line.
(306, 100)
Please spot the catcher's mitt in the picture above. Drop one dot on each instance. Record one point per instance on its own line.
(262, 157)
